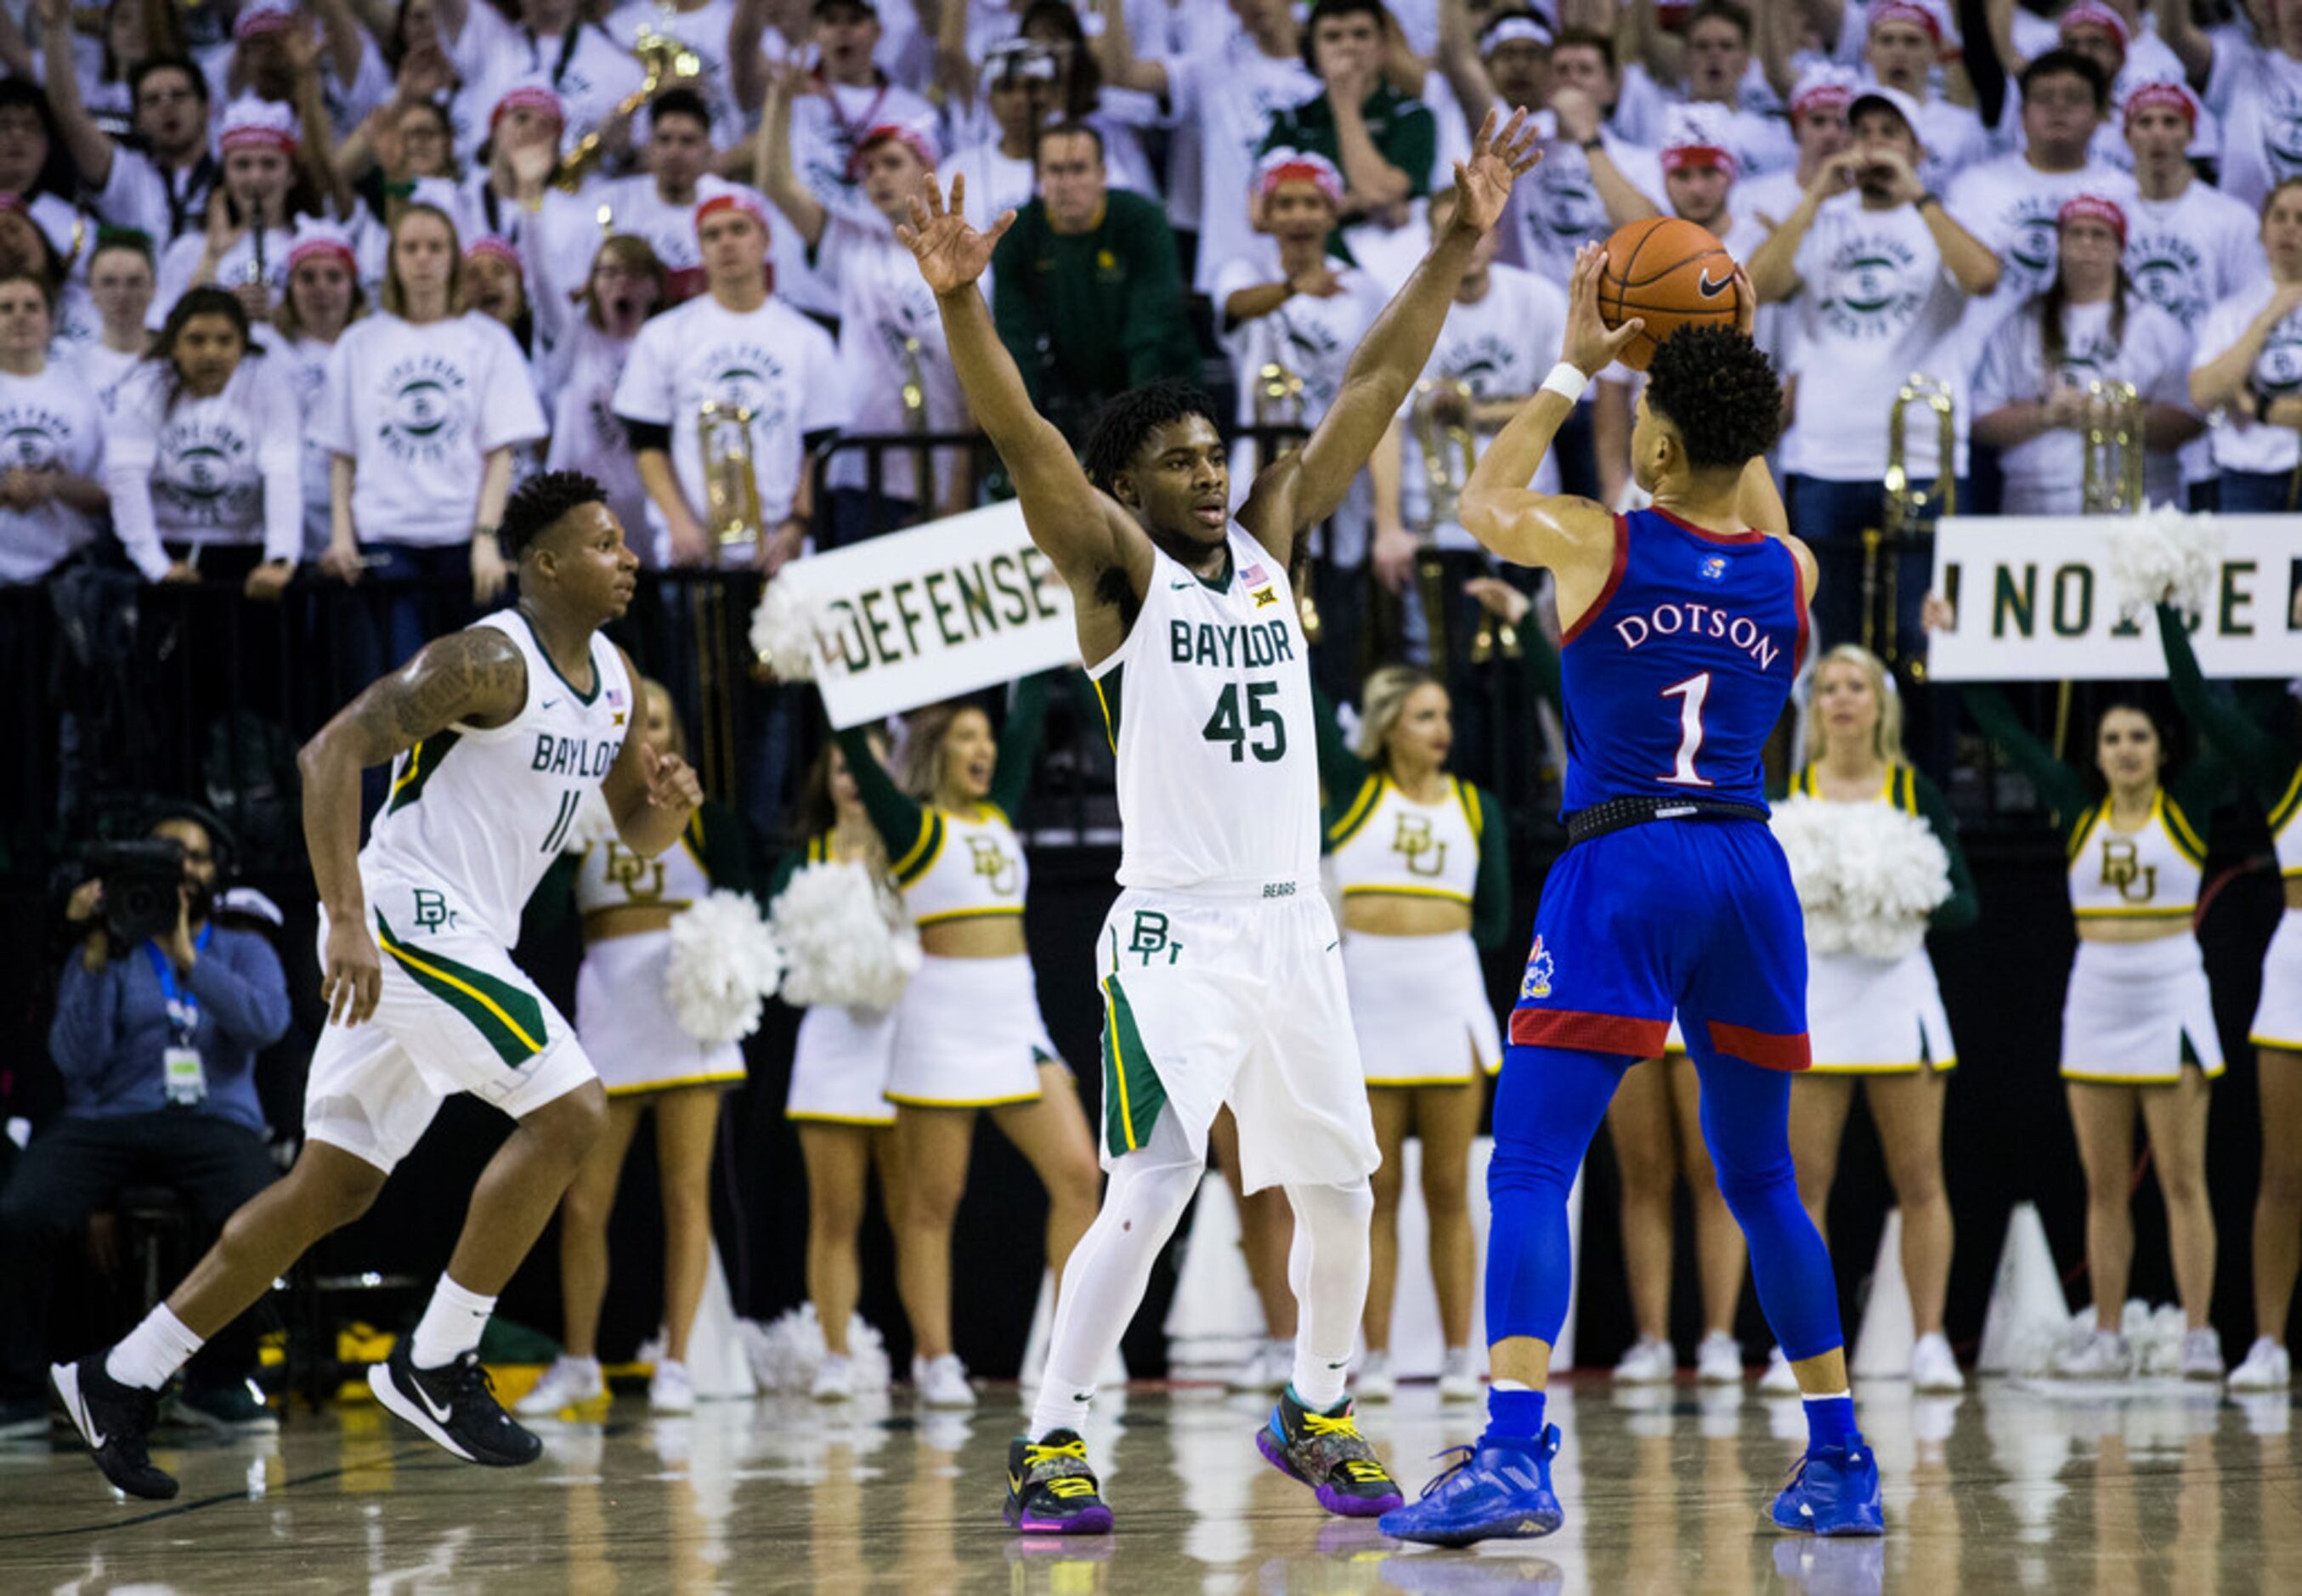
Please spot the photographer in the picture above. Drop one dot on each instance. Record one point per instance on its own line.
(159, 1016)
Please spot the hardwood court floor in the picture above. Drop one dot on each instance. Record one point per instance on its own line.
(2156, 1490)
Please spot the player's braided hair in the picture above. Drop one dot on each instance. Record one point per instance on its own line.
(1721, 392)
(1121, 425)
(539, 501)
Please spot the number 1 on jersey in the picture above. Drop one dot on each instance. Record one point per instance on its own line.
(1690, 694)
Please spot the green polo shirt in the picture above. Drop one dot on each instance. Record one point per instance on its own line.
(1101, 311)
(1402, 129)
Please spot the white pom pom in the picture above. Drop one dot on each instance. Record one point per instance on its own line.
(724, 967)
(786, 1354)
(2165, 556)
(783, 629)
(844, 939)
(1867, 874)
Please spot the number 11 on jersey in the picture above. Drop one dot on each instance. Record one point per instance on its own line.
(1690, 694)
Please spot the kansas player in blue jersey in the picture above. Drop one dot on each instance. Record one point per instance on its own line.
(1684, 625)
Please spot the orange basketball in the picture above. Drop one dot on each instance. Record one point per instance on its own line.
(1670, 274)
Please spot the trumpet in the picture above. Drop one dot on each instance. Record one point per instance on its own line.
(664, 57)
(731, 483)
(1906, 507)
(1441, 416)
(2111, 478)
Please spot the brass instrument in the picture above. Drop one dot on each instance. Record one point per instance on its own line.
(664, 57)
(731, 486)
(2110, 478)
(1907, 507)
(1441, 416)
(1279, 403)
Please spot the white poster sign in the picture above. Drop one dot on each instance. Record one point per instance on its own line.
(2035, 600)
(940, 610)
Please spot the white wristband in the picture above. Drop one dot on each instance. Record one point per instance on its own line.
(1567, 382)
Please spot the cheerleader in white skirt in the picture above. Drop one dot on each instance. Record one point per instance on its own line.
(837, 1099)
(968, 1038)
(2265, 748)
(1422, 861)
(647, 1061)
(2138, 1020)
(1878, 1023)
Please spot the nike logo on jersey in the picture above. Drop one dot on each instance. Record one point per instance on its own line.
(1177, 587)
(550, 703)
(1709, 290)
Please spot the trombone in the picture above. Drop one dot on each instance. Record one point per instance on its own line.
(664, 57)
(731, 481)
(1442, 417)
(2111, 477)
(1907, 509)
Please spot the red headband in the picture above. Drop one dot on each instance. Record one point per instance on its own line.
(910, 138)
(1678, 157)
(728, 200)
(534, 97)
(258, 138)
(2175, 97)
(1318, 173)
(304, 249)
(1903, 11)
(2093, 207)
(489, 244)
(2091, 14)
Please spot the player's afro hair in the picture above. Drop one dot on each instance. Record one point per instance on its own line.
(1721, 393)
(1121, 425)
(539, 501)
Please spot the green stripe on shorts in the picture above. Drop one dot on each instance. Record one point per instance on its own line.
(1132, 1094)
(509, 1016)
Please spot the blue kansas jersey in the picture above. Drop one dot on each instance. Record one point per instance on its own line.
(1675, 678)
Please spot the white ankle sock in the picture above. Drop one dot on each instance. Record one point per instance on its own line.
(153, 1350)
(1060, 1405)
(450, 1326)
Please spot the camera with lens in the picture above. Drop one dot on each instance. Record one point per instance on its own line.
(143, 887)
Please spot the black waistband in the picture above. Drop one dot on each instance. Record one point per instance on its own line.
(1597, 820)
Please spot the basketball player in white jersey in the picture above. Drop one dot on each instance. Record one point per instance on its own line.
(1221, 979)
(499, 732)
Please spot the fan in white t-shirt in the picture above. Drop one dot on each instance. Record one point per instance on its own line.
(1589, 173)
(2254, 85)
(700, 29)
(120, 285)
(741, 351)
(849, 96)
(1018, 81)
(1904, 47)
(160, 185)
(626, 287)
(323, 297)
(1717, 67)
(244, 246)
(1818, 102)
(50, 497)
(2250, 369)
(552, 43)
(2033, 390)
(893, 357)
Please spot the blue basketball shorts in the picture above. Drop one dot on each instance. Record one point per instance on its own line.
(1695, 917)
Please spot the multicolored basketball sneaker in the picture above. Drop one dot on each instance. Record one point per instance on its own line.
(1487, 1493)
(1326, 1452)
(1833, 1491)
(1051, 1490)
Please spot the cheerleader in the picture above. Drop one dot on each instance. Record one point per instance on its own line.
(646, 1060)
(2138, 1020)
(839, 1077)
(1422, 861)
(1880, 1023)
(968, 1031)
(2267, 756)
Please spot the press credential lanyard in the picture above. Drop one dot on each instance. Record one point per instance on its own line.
(186, 1081)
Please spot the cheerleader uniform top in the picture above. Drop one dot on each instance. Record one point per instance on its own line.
(2151, 873)
(2268, 764)
(951, 864)
(710, 853)
(1907, 790)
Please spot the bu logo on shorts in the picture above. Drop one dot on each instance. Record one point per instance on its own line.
(1536, 982)
(1149, 937)
(432, 910)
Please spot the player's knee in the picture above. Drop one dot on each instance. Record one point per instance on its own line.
(572, 1121)
(1750, 1187)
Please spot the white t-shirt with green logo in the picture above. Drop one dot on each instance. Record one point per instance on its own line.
(226, 469)
(2186, 255)
(1876, 305)
(2257, 92)
(1556, 208)
(49, 422)
(2010, 206)
(418, 409)
(2240, 442)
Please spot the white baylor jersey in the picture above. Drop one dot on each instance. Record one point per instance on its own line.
(481, 813)
(1208, 706)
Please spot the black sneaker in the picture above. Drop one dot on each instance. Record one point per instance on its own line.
(1326, 1452)
(455, 1406)
(1051, 1490)
(116, 1422)
(235, 1409)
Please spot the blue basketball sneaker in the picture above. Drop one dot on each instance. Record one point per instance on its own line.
(1833, 1491)
(1487, 1493)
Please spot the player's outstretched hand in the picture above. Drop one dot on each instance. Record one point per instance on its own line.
(951, 254)
(1746, 303)
(1482, 184)
(671, 782)
(1589, 346)
(351, 976)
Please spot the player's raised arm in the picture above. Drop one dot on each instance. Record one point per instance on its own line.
(1074, 526)
(474, 677)
(1307, 487)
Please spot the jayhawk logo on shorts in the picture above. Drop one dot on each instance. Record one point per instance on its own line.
(1713, 568)
(1536, 982)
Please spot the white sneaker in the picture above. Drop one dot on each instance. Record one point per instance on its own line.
(2202, 1354)
(1267, 1368)
(2095, 1354)
(1374, 1382)
(1718, 1360)
(568, 1382)
(1934, 1367)
(1648, 1362)
(942, 1381)
(835, 1379)
(2267, 1368)
(671, 1390)
(1779, 1380)
(1459, 1377)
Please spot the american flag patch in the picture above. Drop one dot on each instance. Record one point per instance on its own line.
(1253, 575)
(615, 698)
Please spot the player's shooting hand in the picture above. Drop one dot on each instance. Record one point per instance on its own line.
(351, 975)
(1482, 184)
(1746, 302)
(952, 255)
(1589, 346)
(671, 781)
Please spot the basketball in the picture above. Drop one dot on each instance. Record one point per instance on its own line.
(1670, 274)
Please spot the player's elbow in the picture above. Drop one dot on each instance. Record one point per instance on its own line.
(1481, 512)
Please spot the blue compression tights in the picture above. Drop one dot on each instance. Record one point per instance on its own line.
(1550, 1104)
